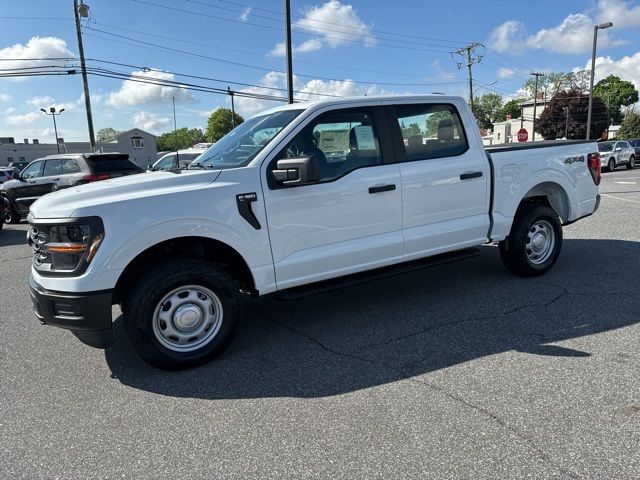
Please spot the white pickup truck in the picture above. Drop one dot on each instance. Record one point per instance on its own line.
(296, 195)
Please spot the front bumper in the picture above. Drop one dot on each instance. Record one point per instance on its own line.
(87, 315)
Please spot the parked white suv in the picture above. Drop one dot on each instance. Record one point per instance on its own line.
(613, 154)
(296, 195)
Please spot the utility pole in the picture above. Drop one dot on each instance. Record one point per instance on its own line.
(233, 108)
(469, 59)
(287, 42)
(535, 104)
(82, 10)
(566, 123)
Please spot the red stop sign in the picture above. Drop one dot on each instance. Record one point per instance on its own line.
(523, 135)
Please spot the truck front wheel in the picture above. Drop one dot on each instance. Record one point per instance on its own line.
(182, 313)
(534, 243)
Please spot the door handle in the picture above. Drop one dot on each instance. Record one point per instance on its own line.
(31, 181)
(382, 188)
(55, 179)
(470, 175)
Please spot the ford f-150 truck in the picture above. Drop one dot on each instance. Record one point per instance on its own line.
(296, 195)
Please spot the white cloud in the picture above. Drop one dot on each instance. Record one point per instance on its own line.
(39, 102)
(573, 35)
(9, 111)
(622, 14)
(333, 23)
(150, 121)
(37, 47)
(137, 93)
(4, 97)
(627, 68)
(275, 81)
(244, 16)
(509, 36)
(504, 72)
(308, 46)
(22, 119)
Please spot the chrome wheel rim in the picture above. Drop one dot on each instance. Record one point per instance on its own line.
(187, 318)
(541, 239)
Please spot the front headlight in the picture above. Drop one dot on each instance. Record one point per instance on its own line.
(65, 248)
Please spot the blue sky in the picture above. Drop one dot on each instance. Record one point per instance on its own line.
(342, 48)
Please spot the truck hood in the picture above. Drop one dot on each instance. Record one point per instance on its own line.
(63, 203)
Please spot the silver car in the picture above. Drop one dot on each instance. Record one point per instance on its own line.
(616, 153)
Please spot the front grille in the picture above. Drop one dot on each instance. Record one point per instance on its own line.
(37, 239)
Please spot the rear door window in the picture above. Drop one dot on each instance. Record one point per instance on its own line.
(70, 166)
(430, 131)
(109, 164)
(52, 168)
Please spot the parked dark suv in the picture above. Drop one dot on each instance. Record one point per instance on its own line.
(55, 172)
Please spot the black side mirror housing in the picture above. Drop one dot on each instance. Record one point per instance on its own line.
(297, 171)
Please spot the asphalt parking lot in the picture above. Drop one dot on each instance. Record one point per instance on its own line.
(456, 371)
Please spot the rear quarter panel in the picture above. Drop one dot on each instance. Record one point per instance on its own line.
(518, 171)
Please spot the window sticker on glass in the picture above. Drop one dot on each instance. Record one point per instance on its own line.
(364, 137)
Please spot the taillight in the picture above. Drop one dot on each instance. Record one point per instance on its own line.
(96, 178)
(593, 161)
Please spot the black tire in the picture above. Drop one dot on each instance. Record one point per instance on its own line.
(11, 215)
(513, 250)
(611, 166)
(150, 290)
(631, 164)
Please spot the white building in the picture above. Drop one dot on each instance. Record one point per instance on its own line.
(139, 145)
(507, 131)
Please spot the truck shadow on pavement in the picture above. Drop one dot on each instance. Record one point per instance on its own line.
(405, 326)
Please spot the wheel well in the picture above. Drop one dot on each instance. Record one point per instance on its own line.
(195, 247)
(550, 194)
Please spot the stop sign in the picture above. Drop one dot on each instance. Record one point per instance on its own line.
(523, 135)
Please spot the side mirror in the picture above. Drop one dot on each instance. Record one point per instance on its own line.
(297, 171)
(619, 149)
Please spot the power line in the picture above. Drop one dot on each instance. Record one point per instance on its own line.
(201, 14)
(341, 32)
(327, 22)
(256, 67)
(233, 50)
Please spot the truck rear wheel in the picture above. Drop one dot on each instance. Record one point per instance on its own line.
(534, 243)
(182, 313)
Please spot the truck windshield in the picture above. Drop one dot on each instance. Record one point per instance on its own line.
(238, 147)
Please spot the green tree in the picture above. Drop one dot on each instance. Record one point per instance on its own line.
(487, 109)
(579, 80)
(630, 127)
(219, 124)
(433, 120)
(615, 93)
(511, 108)
(107, 133)
(566, 116)
(181, 138)
(549, 84)
(412, 129)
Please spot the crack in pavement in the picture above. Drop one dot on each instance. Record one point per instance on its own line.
(526, 439)
(466, 320)
(441, 390)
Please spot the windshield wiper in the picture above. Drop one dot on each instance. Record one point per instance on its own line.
(200, 166)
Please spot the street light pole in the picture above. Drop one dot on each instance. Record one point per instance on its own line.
(53, 114)
(602, 26)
